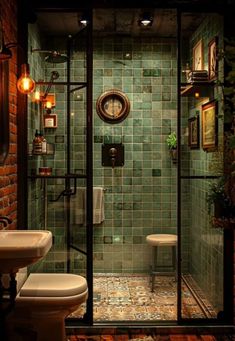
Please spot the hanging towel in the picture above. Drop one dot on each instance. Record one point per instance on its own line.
(78, 206)
(98, 205)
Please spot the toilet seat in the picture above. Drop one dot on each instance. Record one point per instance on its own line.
(53, 285)
(43, 303)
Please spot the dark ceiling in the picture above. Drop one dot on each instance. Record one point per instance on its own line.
(123, 21)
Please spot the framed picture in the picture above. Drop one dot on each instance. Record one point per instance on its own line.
(198, 62)
(209, 125)
(193, 128)
(212, 59)
(50, 121)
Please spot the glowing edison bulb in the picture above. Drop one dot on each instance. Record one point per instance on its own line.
(37, 96)
(25, 83)
(48, 105)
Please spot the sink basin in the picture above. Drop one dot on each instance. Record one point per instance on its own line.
(20, 248)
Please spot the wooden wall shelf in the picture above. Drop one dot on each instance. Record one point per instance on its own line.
(202, 89)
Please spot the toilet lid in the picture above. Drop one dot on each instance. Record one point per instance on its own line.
(53, 285)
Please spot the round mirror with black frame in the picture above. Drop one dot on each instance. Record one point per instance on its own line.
(113, 106)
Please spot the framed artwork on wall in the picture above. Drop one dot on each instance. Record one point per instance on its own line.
(50, 120)
(198, 61)
(209, 125)
(193, 128)
(212, 59)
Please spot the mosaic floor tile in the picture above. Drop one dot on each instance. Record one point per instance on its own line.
(129, 298)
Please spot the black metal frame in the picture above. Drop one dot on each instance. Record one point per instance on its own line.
(226, 317)
(22, 166)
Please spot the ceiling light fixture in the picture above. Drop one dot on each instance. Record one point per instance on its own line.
(84, 20)
(146, 20)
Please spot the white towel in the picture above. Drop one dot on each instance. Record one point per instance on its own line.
(98, 205)
(78, 206)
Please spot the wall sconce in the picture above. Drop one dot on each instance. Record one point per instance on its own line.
(48, 105)
(25, 83)
(36, 95)
(146, 20)
(5, 52)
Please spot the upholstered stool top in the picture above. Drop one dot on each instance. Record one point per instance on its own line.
(161, 239)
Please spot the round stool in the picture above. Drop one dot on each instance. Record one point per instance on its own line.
(156, 240)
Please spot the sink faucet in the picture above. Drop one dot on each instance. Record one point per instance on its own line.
(5, 220)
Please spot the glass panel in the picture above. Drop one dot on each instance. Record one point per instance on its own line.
(139, 197)
(57, 174)
(201, 167)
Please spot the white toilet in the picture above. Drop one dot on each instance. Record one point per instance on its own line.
(43, 303)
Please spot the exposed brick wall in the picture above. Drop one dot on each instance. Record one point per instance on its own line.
(8, 172)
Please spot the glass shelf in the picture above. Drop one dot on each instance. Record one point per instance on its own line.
(66, 176)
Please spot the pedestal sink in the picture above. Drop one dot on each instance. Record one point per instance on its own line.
(20, 248)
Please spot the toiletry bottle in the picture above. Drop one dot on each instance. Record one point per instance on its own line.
(44, 144)
(37, 143)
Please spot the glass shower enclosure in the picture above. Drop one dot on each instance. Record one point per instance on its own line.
(149, 193)
(59, 174)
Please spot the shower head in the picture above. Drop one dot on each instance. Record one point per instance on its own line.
(53, 57)
(56, 58)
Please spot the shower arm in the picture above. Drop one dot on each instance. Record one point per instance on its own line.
(54, 75)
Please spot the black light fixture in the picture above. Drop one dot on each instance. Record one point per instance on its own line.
(84, 19)
(5, 52)
(25, 83)
(146, 19)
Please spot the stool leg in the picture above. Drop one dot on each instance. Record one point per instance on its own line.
(154, 267)
(174, 257)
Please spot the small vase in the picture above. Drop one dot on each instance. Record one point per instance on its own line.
(173, 153)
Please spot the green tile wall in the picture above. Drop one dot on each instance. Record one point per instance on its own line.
(35, 192)
(140, 198)
(201, 241)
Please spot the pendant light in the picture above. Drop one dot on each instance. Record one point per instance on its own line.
(25, 83)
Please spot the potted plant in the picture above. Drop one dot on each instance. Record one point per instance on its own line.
(220, 203)
(172, 145)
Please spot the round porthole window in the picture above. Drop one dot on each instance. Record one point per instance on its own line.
(113, 106)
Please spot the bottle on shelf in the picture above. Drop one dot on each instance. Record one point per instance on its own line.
(37, 143)
(44, 143)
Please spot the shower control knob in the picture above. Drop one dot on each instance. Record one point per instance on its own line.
(112, 152)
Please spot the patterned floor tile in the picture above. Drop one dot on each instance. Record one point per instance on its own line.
(129, 298)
